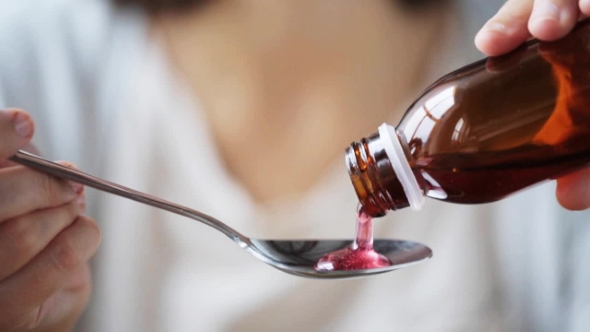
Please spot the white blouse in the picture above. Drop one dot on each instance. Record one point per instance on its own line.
(103, 96)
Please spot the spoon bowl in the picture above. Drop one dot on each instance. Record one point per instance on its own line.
(297, 257)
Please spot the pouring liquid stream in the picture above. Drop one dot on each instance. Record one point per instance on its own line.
(360, 255)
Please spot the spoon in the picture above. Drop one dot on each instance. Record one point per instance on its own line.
(297, 257)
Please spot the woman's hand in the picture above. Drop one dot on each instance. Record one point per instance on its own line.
(519, 20)
(547, 20)
(45, 241)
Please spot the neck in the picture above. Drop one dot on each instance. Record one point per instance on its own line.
(319, 75)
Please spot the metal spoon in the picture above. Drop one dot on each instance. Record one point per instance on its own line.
(296, 257)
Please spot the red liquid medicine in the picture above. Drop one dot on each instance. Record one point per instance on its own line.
(360, 255)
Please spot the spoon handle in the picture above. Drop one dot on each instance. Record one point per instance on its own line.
(48, 167)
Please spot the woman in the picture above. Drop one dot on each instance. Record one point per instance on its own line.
(241, 110)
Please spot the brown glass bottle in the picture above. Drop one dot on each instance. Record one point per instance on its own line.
(484, 131)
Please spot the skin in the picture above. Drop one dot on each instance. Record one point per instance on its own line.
(46, 241)
(319, 75)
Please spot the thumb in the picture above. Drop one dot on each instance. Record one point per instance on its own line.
(16, 130)
(573, 190)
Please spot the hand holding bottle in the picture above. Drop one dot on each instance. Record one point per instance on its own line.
(519, 20)
(45, 242)
(547, 20)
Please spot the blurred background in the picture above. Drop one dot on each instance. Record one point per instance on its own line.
(242, 109)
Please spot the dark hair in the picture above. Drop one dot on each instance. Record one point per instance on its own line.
(158, 6)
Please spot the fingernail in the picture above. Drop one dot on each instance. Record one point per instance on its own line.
(491, 29)
(76, 187)
(495, 26)
(81, 200)
(23, 125)
(545, 11)
(487, 38)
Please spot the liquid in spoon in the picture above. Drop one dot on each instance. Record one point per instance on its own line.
(360, 255)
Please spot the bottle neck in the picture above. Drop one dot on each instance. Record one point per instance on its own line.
(381, 175)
